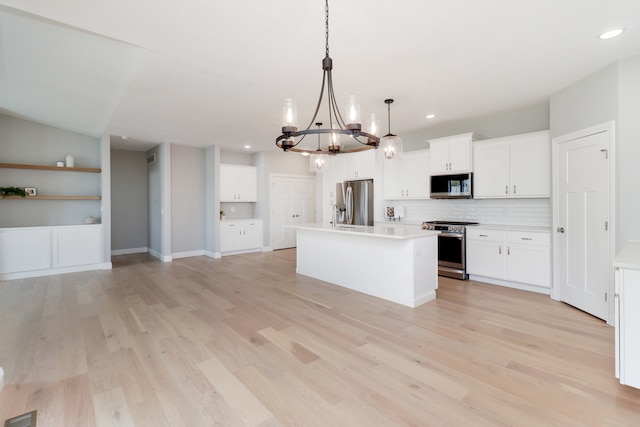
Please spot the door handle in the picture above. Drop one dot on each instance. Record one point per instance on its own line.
(560, 229)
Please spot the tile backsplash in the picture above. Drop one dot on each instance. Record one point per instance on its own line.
(525, 212)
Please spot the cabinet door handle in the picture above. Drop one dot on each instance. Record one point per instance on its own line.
(484, 235)
(560, 229)
(508, 250)
(527, 238)
(500, 249)
(506, 189)
(514, 189)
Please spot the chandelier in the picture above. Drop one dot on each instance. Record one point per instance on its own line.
(337, 125)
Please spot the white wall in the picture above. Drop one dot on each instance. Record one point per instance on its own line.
(612, 93)
(589, 102)
(129, 201)
(490, 126)
(187, 200)
(628, 152)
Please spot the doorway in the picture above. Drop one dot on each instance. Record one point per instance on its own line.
(291, 203)
(583, 238)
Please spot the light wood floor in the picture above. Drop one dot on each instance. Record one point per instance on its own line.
(244, 341)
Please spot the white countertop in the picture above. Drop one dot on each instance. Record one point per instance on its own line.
(629, 256)
(385, 231)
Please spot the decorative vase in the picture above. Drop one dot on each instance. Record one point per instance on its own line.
(69, 162)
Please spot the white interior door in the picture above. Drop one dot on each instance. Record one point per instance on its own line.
(291, 203)
(583, 222)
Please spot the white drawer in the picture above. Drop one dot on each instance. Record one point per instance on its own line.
(480, 234)
(530, 238)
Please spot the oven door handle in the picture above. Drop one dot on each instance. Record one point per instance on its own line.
(456, 235)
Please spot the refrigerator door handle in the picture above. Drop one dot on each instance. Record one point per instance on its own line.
(349, 204)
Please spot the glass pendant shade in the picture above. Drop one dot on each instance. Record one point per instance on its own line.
(373, 125)
(334, 142)
(391, 146)
(353, 113)
(290, 115)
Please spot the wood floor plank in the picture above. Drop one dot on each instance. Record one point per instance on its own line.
(243, 340)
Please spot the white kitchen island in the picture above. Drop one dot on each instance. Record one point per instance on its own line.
(395, 263)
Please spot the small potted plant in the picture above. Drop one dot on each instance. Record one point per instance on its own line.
(222, 215)
(12, 191)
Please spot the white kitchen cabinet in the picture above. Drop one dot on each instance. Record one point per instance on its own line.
(627, 316)
(240, 235)
(452, 154)
(407, 178)
(518, 258)
(484, 252)
(238, 183)
(358, 165)
(513, 167)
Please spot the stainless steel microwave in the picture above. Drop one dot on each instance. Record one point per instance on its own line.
(458, 186)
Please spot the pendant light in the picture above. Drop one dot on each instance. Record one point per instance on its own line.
(391, 144)
(337, 125)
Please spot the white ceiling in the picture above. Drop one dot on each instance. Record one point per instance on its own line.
(203, 72)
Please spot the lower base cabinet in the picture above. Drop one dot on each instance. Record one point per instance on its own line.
(519, 257)
(627, 315)
(240, 235)
(41, 251)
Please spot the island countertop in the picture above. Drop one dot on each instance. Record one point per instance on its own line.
(384, 231)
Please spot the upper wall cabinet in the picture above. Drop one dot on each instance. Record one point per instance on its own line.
(407, 178)
(513, 166)
(452, 154)
(238, 183)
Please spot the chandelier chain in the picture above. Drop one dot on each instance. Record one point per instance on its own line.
(326, 27)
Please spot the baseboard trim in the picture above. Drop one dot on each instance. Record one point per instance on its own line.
(129, 251)
(163, 258)
(187, 254)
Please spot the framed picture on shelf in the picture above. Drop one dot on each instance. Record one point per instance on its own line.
(31, 191)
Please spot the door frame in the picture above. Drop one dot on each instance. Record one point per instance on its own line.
(603, 127)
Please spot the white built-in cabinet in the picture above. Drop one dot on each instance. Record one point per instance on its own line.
(243, 235)
(407, 177)
(41, 251)
(452, 154)
(511, 257)
(238, 183)
(627, 316)
(516, 166)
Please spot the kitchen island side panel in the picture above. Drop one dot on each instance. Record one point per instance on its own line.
(403, 271)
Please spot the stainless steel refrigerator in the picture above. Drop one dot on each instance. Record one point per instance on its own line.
(354, 201)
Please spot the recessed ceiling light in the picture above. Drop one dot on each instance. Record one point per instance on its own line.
(124, 137)
(609, 34)
(431, 116)
(247, 146)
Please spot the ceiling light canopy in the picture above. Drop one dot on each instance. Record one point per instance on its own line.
(337, 125)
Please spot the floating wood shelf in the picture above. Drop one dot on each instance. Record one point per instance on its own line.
(52, 197)
(48, 168)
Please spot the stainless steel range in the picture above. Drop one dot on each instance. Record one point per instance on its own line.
(452, 250)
